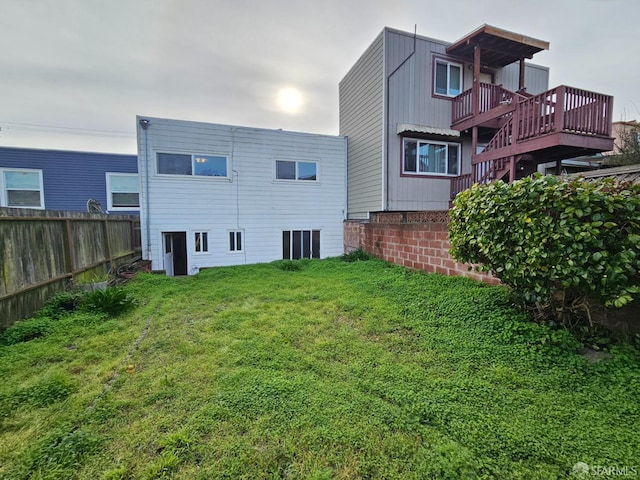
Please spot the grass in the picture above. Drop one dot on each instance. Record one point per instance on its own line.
(325, 370)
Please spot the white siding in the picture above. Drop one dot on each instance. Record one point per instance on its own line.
(250, 200)
(361, 120)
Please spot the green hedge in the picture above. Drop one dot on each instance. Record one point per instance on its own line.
(564, 246)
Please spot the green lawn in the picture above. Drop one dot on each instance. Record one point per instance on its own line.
(336, 370)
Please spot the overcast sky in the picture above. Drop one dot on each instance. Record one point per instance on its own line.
(75, 73)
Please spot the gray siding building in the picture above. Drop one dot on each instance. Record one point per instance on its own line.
(396, 110)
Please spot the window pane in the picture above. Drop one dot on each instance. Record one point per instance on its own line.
(210, 166)
(306, 171)
(441, 78)
(205, 242)
(22, 180)
(439, 158)
(306, 244)
(174, 164)
(124, 184)
(23, 198)
(286, 245)
(125, 200)
(285, 170)
(315, 244)
(198, 244)
(232, 241)
(423, 157)
(454, 80)
(453, 160)
(297, 245)
(239, 241)
(410, 148)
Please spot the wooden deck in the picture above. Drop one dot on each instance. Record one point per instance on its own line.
(563, 122)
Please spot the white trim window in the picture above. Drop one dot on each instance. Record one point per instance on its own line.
(447, 78)
(428, 157)
(201, 240)
(21, 188)
(235, 241)
(197, 165)
(297, 244)
(296, 170)
(123, 191)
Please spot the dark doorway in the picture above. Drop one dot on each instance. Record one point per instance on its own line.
(175, 253)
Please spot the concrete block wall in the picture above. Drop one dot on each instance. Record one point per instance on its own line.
(417, 240)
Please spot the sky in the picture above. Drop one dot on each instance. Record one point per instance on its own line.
(75, 73)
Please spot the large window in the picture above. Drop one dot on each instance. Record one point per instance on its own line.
(197, 165)
(298, 244)
(290, 170)
(426, 157)
(447, 78)
(123, 191)
(22, 188)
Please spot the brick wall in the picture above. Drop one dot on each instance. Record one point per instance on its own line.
(417, 240)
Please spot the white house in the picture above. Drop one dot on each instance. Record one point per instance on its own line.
(215, 195)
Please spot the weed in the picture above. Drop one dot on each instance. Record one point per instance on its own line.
(25, 330)
(359, 255)
(61, 304)
(288, 265)
(112, 301)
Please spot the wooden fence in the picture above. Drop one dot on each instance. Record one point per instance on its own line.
(43, 251)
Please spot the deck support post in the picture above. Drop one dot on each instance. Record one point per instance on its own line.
(521, 76)
(475, 94)
(474, 150)
(512, 168)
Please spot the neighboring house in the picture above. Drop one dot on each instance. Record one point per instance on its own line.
(225, 195)
(623, 134)
(427, 118)
(66, 180)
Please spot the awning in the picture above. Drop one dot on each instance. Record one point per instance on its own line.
(424, 129)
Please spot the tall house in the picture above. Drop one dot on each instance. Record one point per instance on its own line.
(427, 118)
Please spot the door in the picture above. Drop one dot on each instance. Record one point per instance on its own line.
(175, 253)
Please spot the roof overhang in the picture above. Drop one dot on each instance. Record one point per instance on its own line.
(426, 130)
(498, 47)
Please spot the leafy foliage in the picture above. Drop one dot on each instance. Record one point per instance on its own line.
(112, 301)
(562, 245)
(26, 330)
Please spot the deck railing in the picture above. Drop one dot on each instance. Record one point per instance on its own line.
(491, 96)
(564, 109)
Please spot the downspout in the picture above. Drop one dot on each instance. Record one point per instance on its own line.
(144, 124)
(385, 162)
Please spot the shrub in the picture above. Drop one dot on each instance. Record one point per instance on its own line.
(562, 245)
(288, 265)
(112, 301)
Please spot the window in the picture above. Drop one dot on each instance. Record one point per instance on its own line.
(447, 78)
(202, 242)
(298, 244)
(235, 241)
(289, 170)
(197, 165)
(22, 188)
(123, 191)
(424, 157)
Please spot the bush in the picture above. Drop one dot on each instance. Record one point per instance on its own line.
(60, 304)
(563, 246)
(112, 301)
